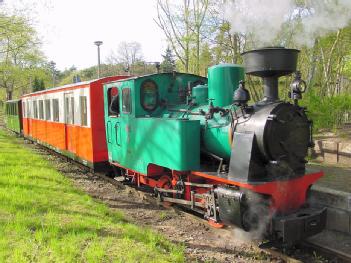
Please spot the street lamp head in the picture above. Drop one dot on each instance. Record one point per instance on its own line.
(52, 64)
(98, 43)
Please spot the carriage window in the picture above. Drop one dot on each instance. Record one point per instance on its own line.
(149, 95)
(28, 109)
(55, 110)
(83, 110)
(41, 110)
(72, 110)
(23, 109)
(35, 109)
(113, 102)
(69, 108)
(47, 110)
(126, 101)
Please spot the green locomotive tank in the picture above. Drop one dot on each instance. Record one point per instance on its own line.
(223, 80)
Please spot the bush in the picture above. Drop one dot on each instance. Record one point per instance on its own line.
(327, 112)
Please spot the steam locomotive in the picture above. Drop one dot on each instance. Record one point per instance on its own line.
(196, 141)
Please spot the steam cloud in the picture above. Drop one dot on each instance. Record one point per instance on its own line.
(264, 20)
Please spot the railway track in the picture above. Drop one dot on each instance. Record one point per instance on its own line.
(332, 255)
(329, 252)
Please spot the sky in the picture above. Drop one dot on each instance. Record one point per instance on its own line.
(68, 28)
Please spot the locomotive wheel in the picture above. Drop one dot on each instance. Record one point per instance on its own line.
(115, 172)
(215, 224)
(165, 183)
(255, 218)
(250, 220)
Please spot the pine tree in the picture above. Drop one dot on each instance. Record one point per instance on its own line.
(168, 63)
(36, 85)
(42, 84)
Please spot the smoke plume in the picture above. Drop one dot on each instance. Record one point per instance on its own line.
(265, 20)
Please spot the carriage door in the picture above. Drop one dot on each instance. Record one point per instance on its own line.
(26, 115)
(69, 122)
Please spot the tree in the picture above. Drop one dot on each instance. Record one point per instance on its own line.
(20, 55)
(205, 59)
(128, 53)
(199, 13)
(168, 63)
(42, 85)
(38, 84)
(175, 23)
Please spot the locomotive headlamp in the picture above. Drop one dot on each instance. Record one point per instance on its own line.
(298, 86)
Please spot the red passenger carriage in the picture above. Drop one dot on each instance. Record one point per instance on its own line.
(69, 120)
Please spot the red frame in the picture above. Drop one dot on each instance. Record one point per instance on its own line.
(287, 196)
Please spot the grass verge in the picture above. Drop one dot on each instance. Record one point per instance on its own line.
(44, 218)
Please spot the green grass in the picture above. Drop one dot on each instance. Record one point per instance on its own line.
(44, 218)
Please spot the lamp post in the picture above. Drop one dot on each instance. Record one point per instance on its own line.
(98, 44)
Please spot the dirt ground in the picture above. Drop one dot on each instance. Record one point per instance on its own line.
(202, 242)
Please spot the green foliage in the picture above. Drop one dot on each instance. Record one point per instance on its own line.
(205, 59)
(38, 84)
(327, 112)
(44, 218)
(21, 58)
(168, 63)
(42, 84)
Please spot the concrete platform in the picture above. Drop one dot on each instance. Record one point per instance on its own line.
(335, 177)
(338, 204)
(333, 191)
(333, 241)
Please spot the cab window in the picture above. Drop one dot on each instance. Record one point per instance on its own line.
(126, 101)
(149, 95)
(113, 102)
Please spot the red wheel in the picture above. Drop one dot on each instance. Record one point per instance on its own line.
(164, 182)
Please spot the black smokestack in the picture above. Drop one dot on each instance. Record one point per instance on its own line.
(270, 64)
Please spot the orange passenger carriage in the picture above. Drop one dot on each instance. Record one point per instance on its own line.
(68, 120)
